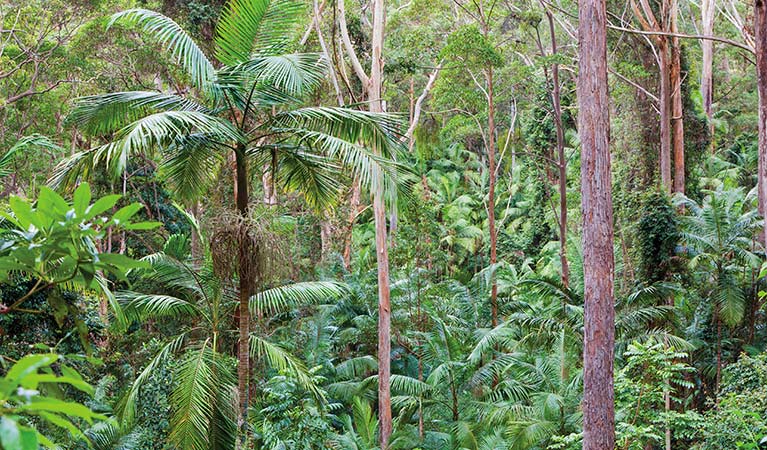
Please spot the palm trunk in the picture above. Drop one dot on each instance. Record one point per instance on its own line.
(760, 27)
(243, 351)
(491, 193)
(597, 211)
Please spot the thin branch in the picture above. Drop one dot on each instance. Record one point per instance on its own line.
(685, 36)
(419, 104)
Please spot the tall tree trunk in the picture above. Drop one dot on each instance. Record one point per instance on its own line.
(665, 113)
(243, 350)
(677, 112)
(556, 100)
(760, 25)
(491, 192)
(707, 12)
(375, 90)
(597, 211)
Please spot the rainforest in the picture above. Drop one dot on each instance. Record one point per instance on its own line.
(383, 224)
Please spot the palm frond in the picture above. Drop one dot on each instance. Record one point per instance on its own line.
(174, 38)
(311, 175)
(192, 163)
(25, 144)
(109, 435)
(356, 367)
(107, 113)
(162, 129)
(193, 398)
(278, 78)
(139, 306)
(283, 298)
(247, 27)
(283, 361)
(127, 405)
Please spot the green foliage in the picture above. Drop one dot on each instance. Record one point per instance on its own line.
(652, 371)
(738, 421)
(290, 416)
(25, 401)
(469, 46)
(53, 240)
(657, 237)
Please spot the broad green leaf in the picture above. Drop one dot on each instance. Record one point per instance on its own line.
(82, 198)
(59, 406)
(125, 213)
(16, 437)
(101, 205)
(141, 226)
(51, 204)
(30, 364)
(24, 213)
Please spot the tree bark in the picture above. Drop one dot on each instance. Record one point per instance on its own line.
(708, 11)
(375, 90)
(664, 97)
(760, 25)
(491, 192)
(243, 350)
(561, 158)
(660, 29)
(354, 210)
(677, 112)
(597, 211)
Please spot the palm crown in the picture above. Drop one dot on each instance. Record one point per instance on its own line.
(248, 102)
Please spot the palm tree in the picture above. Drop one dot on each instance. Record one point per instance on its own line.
(244, 101)
(203, 397)
(720, 238)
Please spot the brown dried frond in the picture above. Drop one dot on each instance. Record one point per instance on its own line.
(245, 247)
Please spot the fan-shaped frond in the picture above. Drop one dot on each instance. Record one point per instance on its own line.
(311, 175)
(192, 163)
(162, 129)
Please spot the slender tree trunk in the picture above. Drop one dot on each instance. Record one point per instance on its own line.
(196, 244)
(354, 209)
(561, 159)
(375, 90)
(243, 350)
(326, 237)
(677, 112)
(718, 322)
(665, 113)
(491, 192)
(597, 211)
(708, 11)
(760, 25)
